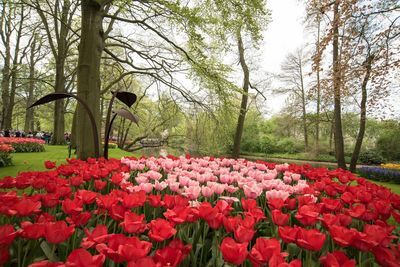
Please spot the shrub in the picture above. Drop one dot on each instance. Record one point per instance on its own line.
(371, 157)
(289, 145)
(388, 145)
(380, 174)
(24, 144)
(5, 155)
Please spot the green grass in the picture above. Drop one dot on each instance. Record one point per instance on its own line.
(35, 161)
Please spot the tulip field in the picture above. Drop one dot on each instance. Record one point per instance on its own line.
(191, 211)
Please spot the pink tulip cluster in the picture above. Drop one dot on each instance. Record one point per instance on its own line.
(207, 177)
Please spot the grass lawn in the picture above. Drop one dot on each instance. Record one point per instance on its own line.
(35, 161)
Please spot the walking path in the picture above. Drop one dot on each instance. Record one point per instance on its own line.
(297, 161)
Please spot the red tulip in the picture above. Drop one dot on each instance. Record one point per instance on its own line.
(88, 197)
(98, 235)
(230, 223)
(134, 223)
(177, 215)
(243, 234)
(47, 263)
(160, 230)
(307, 214)
(50, 164)
(32, 231)
(288, 234)
(336, 259)
(343, 237)
(99, 185)
(134, 249)
(106, 201)
(357, 211)
(310, 239)
(58, 232)
(233, 252)
(72, 207)
(168, 256)
(7, 234)
(80, 219)
(134, 200)
(27, 207)
(280, 218)
(263, 250)
(291, 203)
(117, 212)
(155, 201)
(173, 254)
(4, 255)
(276, 203)
(347, 197)
(76, 180)
(386, 257)
(330, 204)
(248, 204)
(50, 200)
(82, 258)
(142, 262)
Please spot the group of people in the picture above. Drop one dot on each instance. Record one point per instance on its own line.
(45, 136)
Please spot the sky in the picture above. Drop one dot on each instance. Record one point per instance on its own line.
(285, 33)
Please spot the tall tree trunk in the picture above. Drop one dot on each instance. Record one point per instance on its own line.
(339, 143)
(363, 115)
(29, 115)
(5, 88)
(245, 95)
(90, 49)
(11, 103)
(6, 71)
(318, 87)
(303, 103)
(60, 56)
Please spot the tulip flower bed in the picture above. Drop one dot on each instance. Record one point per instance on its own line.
(21, 144)
(195, 212)
(5, 155)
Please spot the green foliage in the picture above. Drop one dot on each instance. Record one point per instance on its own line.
(370, 157)
(5, 159)
(388, 143)
(27, 147)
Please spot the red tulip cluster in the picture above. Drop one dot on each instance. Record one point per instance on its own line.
(160, 212)
(20, 140)
(6, 148)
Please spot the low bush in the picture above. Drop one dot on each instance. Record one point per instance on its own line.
(5, 155)
(371, 157)
(24, 144)
(380, 174)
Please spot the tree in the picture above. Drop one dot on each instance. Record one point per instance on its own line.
(35, 55)
(57, 19)
(11, 34)
(293, 75)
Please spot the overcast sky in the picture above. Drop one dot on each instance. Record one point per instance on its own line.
(284, 34)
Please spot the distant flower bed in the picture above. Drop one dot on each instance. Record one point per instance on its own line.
(380, 174)
(187, 211)
(111, 145)
(21, 144)
(391, 166)
(5, 155)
